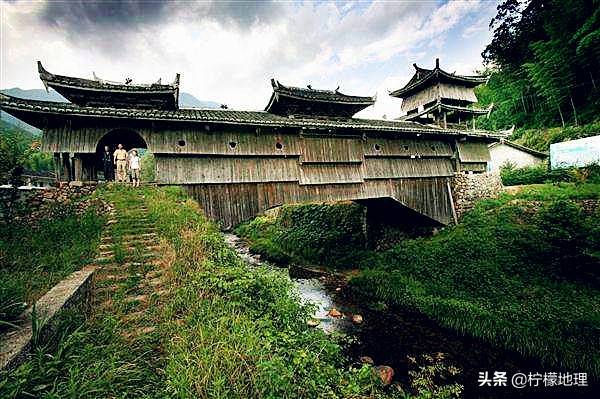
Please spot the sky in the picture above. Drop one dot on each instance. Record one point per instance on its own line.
(227, 51)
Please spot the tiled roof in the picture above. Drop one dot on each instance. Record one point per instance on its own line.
(50, 79)
(520, 147)
(254, 118)
(422, 76)
(319, 95)
(467, 110)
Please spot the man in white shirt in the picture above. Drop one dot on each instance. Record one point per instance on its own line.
(134, 168)
(120, 159)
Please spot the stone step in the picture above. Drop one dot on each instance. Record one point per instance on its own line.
(152, 262)
(107, 289)
(137, 315)
(155, 273)
(130, 237)
(137, 332)
(103, 260)
(132, 245)
(133, 230)
(110, 259)
(139, 218)
(143, 298)
(115, 277)
(156, 281)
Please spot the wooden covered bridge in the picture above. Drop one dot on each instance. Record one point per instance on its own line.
(305, 146)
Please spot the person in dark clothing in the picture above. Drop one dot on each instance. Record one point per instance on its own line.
(107, 163)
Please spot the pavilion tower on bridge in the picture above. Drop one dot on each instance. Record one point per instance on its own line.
(434, 96)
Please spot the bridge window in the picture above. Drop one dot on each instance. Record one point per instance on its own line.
(432, 148)
(232, 144)
(405, 148)
(377, 147)
(181, 143)
(279, 145)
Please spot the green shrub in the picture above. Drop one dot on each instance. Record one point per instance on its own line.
(518, 274)
(512, 176)
(324, 234)
(540, 139)
(240, 332)
(148, 165)
(538, 174)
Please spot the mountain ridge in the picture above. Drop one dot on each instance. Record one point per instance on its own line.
(186, 100)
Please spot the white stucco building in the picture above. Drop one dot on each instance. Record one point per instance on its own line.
(505, 151)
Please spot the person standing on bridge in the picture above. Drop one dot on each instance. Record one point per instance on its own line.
(120, 160)
(107, 163)
(134, 168)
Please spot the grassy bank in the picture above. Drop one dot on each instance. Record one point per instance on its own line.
(521, 272)
(240, 332)
(540, 139)
(541, 173)
(221, 330)
(321, 234)
(33, 258)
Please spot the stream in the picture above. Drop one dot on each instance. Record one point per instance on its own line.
(394, 337)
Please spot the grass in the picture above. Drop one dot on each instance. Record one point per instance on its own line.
(521, 271)
(35, 258)
(541, 173)
(241, 332)
(99, 356)
(221, 330)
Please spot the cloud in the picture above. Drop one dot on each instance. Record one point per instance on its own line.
(478, 27)
(228, 51)
(85, 16)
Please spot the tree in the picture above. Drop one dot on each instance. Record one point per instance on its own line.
(546, 55)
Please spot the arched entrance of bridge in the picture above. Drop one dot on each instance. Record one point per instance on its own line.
(388, 220)
(130, 139)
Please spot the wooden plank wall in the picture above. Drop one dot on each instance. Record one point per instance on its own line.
(233, 203)
(330, 149)
(329, 173)
(65, 139)
(443, 90)
(266, 168)
(473, 151)
(393, 168)
(421, 98)
(235, 184)
(185, 169)
(456, 92)
(217, 142)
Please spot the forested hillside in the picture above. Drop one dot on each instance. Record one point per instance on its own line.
(20, 148)
(544, 63)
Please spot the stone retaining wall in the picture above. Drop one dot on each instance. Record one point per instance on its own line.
(467, 189)
(74, 291)
(32, 205)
